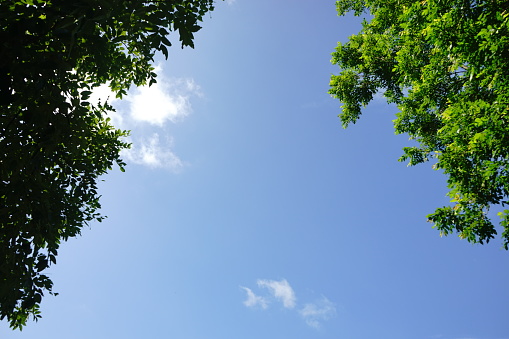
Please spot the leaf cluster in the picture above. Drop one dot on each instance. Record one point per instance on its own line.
(55, 144)
(445, 64)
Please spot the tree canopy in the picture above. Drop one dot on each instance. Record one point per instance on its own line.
(55, 144)
(445, 64)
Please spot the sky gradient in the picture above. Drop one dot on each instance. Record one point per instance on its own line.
(247, 212)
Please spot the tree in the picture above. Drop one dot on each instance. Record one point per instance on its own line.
(54, 144)
(445, 64)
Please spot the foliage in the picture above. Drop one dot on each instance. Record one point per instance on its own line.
(54, 143)
(445, 64)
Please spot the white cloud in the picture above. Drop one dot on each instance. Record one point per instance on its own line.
(152, 153)
(145, 112)
(163, 101)
(254, 300)
(280, 290)
(104, 94)
(315, 313)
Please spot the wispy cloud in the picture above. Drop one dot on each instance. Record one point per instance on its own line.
(254, 300)
(315, 313)
(281, 290)
(146, 111)
(153, 153)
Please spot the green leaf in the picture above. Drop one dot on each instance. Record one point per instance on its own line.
(55, 144)
(444, 68)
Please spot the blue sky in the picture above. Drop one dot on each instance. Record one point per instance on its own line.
(246, 211)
